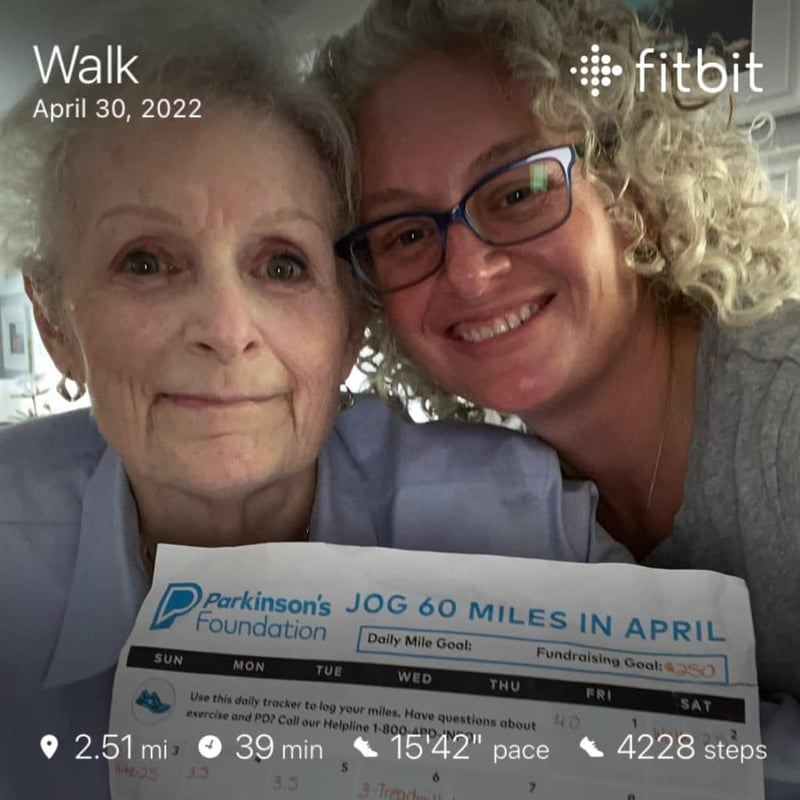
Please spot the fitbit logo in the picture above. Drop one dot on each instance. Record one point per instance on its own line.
(596, 70)
(675, 73)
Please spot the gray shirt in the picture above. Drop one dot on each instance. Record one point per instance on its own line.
(741, 508)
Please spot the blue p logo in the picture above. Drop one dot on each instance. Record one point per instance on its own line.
(178, 599)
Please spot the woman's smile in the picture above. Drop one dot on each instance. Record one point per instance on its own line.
(202, 402)
(496, 325)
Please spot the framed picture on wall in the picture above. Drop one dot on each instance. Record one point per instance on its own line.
(15, 344)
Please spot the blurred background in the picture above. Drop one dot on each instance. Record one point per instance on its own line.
(768, 28)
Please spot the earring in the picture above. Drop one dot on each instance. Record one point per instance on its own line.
(346, 398)
(68, 394)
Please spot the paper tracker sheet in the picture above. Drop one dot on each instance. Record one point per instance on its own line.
(322, 671)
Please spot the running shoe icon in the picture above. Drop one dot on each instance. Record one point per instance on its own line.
(152, 702)
(362, 745)
(590, 748)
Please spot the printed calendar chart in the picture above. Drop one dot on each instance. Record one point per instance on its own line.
(320, 671)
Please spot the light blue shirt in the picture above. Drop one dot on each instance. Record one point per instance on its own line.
(72, 577)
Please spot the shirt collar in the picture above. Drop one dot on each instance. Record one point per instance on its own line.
(342, 512)
(108, 581)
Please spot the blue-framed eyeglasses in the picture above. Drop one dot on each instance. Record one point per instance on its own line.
(512, 204)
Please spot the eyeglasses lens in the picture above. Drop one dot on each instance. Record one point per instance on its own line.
(515, 206)
(520, 204)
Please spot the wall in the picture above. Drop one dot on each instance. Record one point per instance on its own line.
(42, 375)
(782, 157)
(776, 43)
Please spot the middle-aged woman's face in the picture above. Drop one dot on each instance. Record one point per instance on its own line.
(428, 134)
(201, 300)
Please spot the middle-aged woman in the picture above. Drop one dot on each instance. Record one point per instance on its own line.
(602, 261)
(182, 270)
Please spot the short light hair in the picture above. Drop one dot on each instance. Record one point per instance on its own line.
(228, 54)
(683, 182)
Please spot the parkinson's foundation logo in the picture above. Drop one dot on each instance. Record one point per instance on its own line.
(251, 613)
(178, 599)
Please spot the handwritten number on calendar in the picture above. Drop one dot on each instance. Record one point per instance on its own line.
(345, 766)
(532, 788)
(197, 773)
(436, 777)
(290, 784)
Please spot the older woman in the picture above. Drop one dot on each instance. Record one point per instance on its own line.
(610, 265)
(183, 271)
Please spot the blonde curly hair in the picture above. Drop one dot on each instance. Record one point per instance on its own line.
(686, 185)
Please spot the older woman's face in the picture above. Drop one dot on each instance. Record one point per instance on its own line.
(428, 134)
(202, 302)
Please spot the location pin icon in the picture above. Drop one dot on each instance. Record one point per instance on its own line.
(49, 745)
